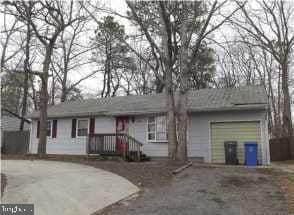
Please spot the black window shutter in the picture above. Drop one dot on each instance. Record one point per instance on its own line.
(92, 126)
(54, 127)
(73, 128)
(38, 129)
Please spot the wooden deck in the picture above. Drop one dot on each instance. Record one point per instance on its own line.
(113, 144)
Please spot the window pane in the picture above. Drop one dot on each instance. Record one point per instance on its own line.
(151, 119)
(161, 136)
(160, 125)
(48, 129)
(151, 136)
(151, 128)
(82, 124)
(82, 132)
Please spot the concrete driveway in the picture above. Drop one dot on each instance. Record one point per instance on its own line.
(62, 188)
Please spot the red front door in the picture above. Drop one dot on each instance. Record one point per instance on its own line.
(122, 127)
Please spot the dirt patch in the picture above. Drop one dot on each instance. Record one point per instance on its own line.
(288, 162)
(242, 181)
(219, 201)
(147, 174)
(286, 182)
(3, 182)
(209, 190)
(143, 174)
(284, 177)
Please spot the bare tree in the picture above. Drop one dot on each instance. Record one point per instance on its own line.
(70, 54)
(8, 33)
(177, 19)
(27, 70)
(47, 20)
(241, 63)
(269, 28)
(155, 65)
(111, 56)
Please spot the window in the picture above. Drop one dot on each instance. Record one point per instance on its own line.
(157, 129)
(82, 128)
(49, 128)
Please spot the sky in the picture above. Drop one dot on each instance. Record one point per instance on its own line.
(90, 86)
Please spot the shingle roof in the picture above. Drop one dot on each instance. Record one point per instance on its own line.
(6, 112)
(249, 97)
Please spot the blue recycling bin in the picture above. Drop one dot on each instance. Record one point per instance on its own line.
(250, 153)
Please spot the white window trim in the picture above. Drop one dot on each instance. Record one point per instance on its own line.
(155, 122)
(77, 134)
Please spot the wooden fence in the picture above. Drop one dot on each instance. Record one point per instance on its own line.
(15, 142)
(281, 149)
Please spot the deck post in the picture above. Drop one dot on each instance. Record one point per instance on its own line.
(105, 144)
(87, 144)
(138, 153)
(124, 147)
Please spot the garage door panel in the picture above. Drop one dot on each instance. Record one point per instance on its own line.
(233, 131)
(234, 125)
(245, 137)
(238, 128)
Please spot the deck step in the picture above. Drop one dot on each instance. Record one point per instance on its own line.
(132, 157)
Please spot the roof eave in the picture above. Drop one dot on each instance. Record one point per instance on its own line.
(241, 107)
(161, 111)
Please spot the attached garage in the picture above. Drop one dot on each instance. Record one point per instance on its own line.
(240, 131)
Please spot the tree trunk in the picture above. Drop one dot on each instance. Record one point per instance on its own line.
(24, 100)
(26, 78)
(44, 103)
(53, 90)
(170, 100)
(279, 131)
(287, 120)
(65, 72)
(183, 95)
(171, 119)
(63, 94)
(159, 85)
(34, 93)
(274, 120)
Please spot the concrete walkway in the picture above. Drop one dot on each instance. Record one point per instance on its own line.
(62, 188)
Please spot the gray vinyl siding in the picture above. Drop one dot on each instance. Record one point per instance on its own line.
(64, 143)
(138, 129)
(198, 134)
(199, 130)
(9, 123)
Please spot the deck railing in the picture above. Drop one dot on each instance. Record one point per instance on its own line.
(114, 144)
